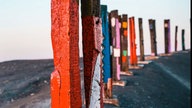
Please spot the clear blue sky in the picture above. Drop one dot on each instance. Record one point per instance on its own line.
(25, 25)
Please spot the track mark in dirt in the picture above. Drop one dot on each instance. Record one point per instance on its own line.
(179, 79)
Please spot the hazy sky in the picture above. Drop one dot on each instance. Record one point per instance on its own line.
(25, 25)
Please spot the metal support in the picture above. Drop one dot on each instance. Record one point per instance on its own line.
(65, 80)
(92, 38)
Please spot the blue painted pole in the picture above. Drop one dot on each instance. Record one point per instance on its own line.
(106, 60)
(106, 45)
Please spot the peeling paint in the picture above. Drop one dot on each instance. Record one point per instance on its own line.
(96, 89)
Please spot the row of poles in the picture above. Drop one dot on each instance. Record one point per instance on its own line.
(105, 54)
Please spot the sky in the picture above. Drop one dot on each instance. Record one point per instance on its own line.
(25, 25)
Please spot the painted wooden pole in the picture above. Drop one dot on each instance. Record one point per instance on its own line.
(152, 29)
(115, 34)
(117, 24)
(124, 41)
(167, 36)
(110, 81)
(109, 99)
(130, 41)
(183, 39)
(115, 50)
(176, 30)
(154, 38)
(142, 57)
(133, 56)
(65, 80)
(121, 41)
(124, 45)
(106, 60)
(92, 38)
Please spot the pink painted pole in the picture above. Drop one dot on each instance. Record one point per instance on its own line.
(118, 47)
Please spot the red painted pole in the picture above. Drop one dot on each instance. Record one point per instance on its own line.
(92, 38)
(65, 80)
(134, 44)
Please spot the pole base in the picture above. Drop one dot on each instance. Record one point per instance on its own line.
(144, 62)
(119, 83)
(169, 54)
(112, 101)
(128, 73)
(151, 57)
(186, 51)
(136, 67)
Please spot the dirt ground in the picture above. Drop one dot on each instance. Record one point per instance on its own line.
(163, 83)
(21, 82)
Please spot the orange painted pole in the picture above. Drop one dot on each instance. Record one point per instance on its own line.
(130, 41)
(92, 38)
(133, 56)
(134, 44)
(65, 80)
